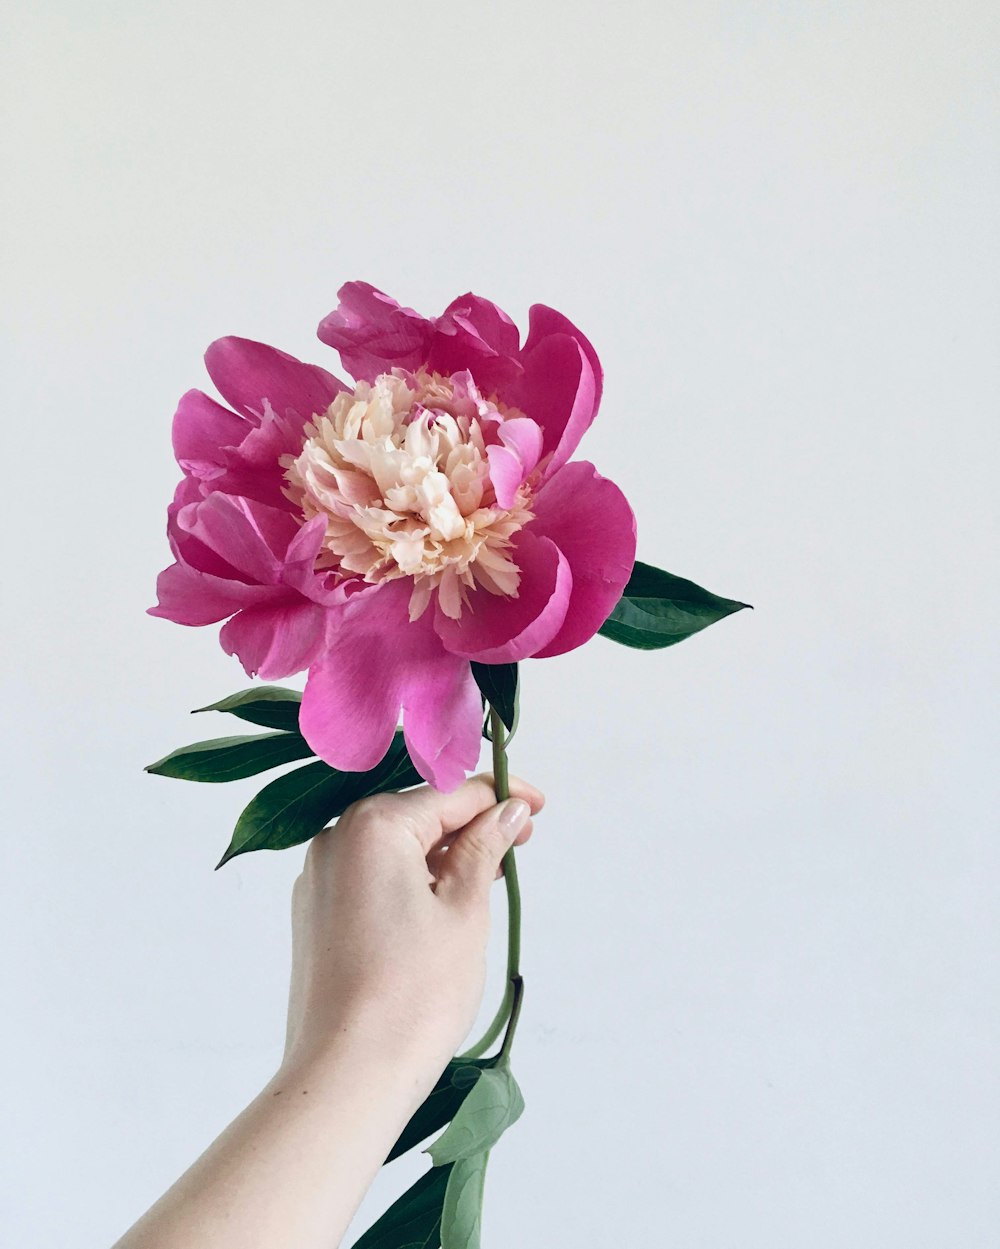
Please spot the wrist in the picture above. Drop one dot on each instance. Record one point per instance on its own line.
(367, 1047)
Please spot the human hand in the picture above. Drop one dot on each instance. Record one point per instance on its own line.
(390, 920)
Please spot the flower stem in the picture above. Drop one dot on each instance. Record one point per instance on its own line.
(517, 984)
(510, 1007)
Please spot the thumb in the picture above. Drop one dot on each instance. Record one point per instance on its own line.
(470, 866)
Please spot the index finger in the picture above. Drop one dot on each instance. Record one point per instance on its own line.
(430, 815)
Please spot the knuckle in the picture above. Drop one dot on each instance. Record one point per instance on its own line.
(479, 849)
(313, 852)
(373, 811)
(319, 848)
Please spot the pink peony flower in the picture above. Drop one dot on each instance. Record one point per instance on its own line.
(384, 534)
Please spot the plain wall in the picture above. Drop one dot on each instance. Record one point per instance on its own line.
(761, 907)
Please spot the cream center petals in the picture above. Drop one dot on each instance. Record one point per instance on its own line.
(400, 470)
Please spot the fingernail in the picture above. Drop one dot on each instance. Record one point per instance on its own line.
(514, 815)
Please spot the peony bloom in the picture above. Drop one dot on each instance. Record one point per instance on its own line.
(383, 534)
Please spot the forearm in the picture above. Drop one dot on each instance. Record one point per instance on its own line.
(290, 1171)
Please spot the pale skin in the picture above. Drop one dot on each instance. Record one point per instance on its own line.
(390, 921)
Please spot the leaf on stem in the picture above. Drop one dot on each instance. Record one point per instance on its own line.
(462, 1212)
(414, 1220)
(232, 758)
(498, 686)
(494, 1103)
(442, 1103)
(272, 706)
(658, 609)
(299, 804)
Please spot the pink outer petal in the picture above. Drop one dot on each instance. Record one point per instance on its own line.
(543, 322)
(376, 664)
(591, 521)
(496, 629)
(280, 626)
(251, 536)
(202, 429)
(559, 391)
(188, 596)
(473, 333)
(247, 374)
(253, 470)
(481, 318)
(189, 550)
(298, 569)
(234, 455)
(512, 462)
(189, 490)
(442, 723)
(373, 333)
(274, 640)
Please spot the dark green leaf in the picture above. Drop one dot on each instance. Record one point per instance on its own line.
(299, 804)
(442, 1102)
(232, 758)
(414, 1221)
(658, 609)
(270, 705)
(494, 1103)
(498, 685)
(462, 1212)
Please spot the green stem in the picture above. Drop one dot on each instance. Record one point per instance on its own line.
(517, 984)
(497, 1024)
(498, 736)
(510, 1007)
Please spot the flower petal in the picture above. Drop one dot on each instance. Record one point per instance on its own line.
(442, 720)
(201, 429)
(275, 640)
(498, 629)
(251, 536)
(473, 333)
(543, 322)
(247, 373)
(484, 320)
(373, 333)
(590, 520)
(512, 461)
(189, 596)
(560, 391)
(187, 549)
(327, 587)
(377, 664)
(252, 468)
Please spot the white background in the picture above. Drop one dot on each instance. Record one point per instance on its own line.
(761, 911)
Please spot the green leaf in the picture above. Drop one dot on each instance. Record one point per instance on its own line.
(462, 1212)
(494, 1103)
(498, 686)
(269, 705)
(442, 1102)
(414, 1220)
(658, 609)
(232, 758)
(299, 804)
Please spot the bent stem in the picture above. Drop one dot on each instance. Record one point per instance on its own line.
(510, 1007)
(517, 985)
